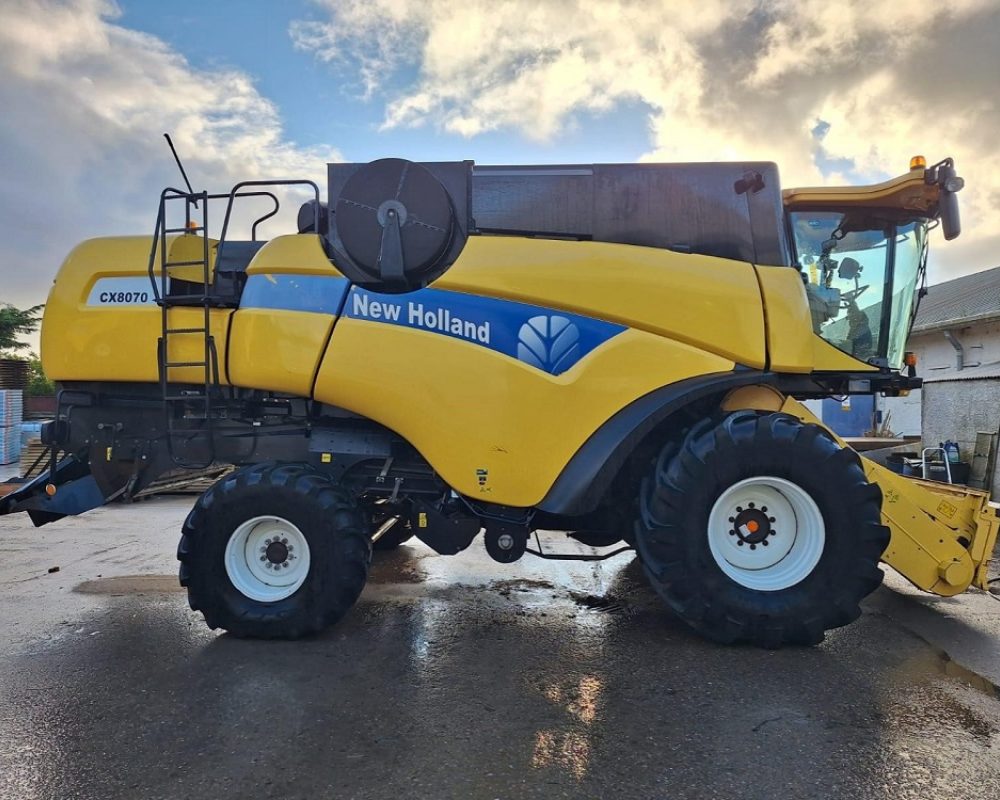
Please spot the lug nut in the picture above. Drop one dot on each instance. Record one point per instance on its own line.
(764, 542)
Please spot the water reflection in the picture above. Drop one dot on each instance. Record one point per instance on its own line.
(569, 747)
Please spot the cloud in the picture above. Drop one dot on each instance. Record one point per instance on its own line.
(81, 150)
(833, 92)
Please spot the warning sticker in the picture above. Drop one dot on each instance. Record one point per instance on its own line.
(946, 509)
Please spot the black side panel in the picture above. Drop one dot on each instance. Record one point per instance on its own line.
(709, 209)
(583, 482)
(767, 221)
(231, 264)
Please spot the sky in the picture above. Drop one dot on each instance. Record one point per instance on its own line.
(833, 92)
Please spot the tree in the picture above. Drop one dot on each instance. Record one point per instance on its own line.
(14, 323)
(38, 384)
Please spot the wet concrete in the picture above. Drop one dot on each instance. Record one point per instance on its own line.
(459, 678)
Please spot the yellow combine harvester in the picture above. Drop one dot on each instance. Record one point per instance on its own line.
(449, 349)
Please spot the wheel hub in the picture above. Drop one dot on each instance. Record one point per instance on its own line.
(766, 533)
(751, 525)
(267, 558)
(276, 552)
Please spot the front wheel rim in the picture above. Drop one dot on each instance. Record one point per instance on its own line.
(766, 533)
(267, 559)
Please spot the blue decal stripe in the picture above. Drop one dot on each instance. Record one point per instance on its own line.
(316, 294)
(550, 340)
(547, 339)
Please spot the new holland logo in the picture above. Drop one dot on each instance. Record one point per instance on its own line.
(550, 343)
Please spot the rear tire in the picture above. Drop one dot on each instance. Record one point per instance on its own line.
(274, 551)
(701, 510)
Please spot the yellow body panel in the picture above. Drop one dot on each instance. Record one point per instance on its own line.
(274, 349)
(827, 358)
(296, 254)
(712, 304)
(792, 345)
(117, 341)
(789, 324)
(468, 409)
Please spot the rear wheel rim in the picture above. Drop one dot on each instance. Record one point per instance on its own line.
(766, 533)
(267, 559)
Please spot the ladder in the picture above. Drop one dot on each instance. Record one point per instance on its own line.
(182, 402)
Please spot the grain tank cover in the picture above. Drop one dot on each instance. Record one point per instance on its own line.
(726, 209)
(730, 210)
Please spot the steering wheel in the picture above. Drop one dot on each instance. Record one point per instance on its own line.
(847, 298)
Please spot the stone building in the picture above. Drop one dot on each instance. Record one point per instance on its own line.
(956, 337)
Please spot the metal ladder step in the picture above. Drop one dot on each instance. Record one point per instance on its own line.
(184, 330)
(195, 263)
(188, 299)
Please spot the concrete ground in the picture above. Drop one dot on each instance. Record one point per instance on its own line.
(455, 677)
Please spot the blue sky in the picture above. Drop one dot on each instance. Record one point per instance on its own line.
(833, 93)
(321, 105)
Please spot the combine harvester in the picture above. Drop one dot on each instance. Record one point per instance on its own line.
(446, 349)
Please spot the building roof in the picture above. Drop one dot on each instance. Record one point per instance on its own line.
(971, 298)
(978, 372)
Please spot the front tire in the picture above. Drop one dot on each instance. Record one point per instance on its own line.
(761, 529)
(274, 551)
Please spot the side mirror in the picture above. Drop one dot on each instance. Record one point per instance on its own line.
(849, 268)
(945, 176)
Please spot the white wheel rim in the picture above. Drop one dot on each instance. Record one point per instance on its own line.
(267, 559)
(772, 510)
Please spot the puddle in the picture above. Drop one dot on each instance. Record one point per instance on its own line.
(952, 669)
(519, 585)
(130, 584)
(395, 573)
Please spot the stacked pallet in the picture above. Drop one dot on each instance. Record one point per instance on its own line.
(13, 373)
(11, 416)
(186, 481)
(30, 454)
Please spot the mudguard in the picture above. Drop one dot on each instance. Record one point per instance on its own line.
(584, 480)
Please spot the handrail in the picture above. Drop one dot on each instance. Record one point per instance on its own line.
(300, 182)
(192, 198)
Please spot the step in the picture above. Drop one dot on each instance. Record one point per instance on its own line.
(185, 330)
(196, 263)
(185, 299)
